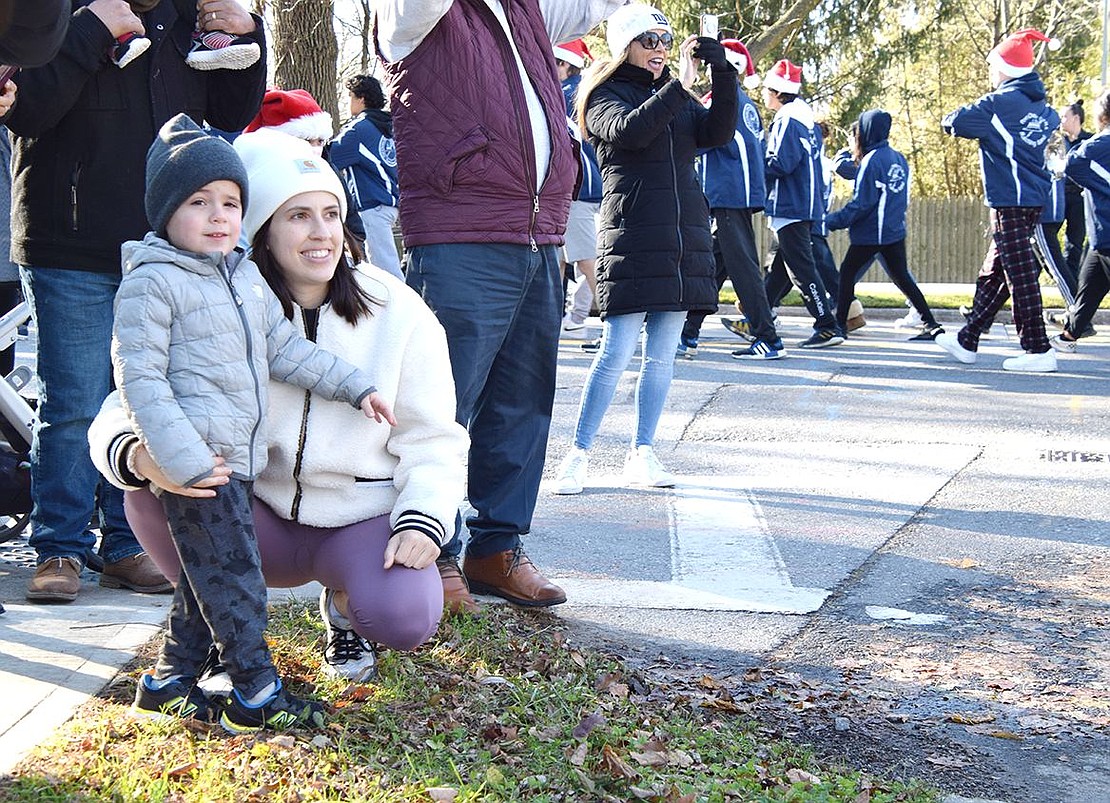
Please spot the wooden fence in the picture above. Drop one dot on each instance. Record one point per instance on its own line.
(946, 240)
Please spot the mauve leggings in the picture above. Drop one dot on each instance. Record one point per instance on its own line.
(399, 607)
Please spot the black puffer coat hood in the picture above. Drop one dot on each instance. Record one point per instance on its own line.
(655, 252)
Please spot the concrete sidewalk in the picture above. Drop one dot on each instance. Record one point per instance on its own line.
(881, 474)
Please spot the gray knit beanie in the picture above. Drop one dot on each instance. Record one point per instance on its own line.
(181, 160)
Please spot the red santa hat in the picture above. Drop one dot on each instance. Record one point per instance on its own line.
(1013, 56)
(292, 112)
(739, 57)
(784, 77)
(573, 53)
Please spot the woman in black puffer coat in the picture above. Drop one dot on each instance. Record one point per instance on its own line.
(655, 253)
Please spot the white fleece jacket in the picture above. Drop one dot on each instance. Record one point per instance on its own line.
(351, 467)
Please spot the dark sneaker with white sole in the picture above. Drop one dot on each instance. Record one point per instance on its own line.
(822, 339)
(761, 350)
(928, 333)
(346, 654)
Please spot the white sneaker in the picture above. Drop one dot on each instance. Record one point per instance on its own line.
(643, 468)
(572, 472)
(1030, 363)
(574, 329)
(1067, 346)
(911, 320)
(346, 653)
(950, 343)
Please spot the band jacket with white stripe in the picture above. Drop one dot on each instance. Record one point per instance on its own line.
(876, 215)
(732, 174)
(655, 252)
(1013, 124)
(366, 157)
(795, 187)
(1089, 167)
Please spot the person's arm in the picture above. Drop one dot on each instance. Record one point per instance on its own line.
(570, 19)
(717, 125)
(36, 31)
(783, 155)
(865, 197)
(622, 125)
(234, 96)
(403, 24)
(49, 92)
(970, 122)
(1086, 171)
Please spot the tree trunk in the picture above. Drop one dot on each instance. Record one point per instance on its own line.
(305, 50)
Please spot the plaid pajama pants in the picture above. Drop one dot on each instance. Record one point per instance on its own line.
(1009, 271)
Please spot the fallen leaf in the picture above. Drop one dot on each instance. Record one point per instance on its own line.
(1013, 737)
(182, 769)
(971, 718)
(946, 761)
(284, 740)
(615, 765)
(796, 775)
(577, 757)
(442, 794)
(707, 682)
(588, 723)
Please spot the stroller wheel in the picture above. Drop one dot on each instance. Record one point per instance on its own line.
(12, 526)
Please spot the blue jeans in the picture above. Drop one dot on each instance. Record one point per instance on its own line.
(501, 306)
(73, 312)
(619, 336)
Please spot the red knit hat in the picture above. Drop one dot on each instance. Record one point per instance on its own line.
(739, 57)
(1013, 56)
(293, 112)
(784, 77)
(573, 53)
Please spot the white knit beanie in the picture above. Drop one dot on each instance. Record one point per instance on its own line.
(629, 22)
(280, 166)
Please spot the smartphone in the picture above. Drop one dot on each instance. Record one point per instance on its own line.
(709, 26)
(6, 72)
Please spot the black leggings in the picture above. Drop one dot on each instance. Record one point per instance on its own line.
(855, 264)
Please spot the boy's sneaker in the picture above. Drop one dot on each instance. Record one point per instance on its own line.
(1060, 320)
(1067, 346)
(128, 48)
(178, 699)
(687, 348)
(1032, 363)
(950, 343)
(213, 679)
(761, 350)
(643, 468)
(822, 339)
(281, 711)
(591, 346)
(572, 472)
(216, 50)
(574, 329)
(346, 654)
(739, 326)
(911, 320)
(928, 333)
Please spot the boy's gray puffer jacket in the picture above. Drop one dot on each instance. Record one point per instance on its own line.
(195, 338)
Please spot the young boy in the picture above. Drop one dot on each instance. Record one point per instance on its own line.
(197, 333)
(1012, 124)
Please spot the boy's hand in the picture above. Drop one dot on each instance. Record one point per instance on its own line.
(117, 17)
(410, 548)
(203, 489)
(374, 406)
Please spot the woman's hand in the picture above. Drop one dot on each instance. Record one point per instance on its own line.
(410, 548)
(376, 407)
(687, 66)
(224, 15)
(710, 51)
(204, 489)
(7, 97)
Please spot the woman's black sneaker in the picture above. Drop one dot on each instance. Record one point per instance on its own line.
(822, 339)
(928, 333)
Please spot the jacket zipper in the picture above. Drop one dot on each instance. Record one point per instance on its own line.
(250, 361)
(298, 493)
(74, 181)
(521, 103)
(678, 211)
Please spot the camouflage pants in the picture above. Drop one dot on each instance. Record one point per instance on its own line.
(220, 597)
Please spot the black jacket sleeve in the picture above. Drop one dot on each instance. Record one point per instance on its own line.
(613, 120)
(31, 31)
(234, 96)
(717, 125)
(47, 93)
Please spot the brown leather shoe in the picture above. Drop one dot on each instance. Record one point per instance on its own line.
(456, 593)
(55, 580)
(511, 575)
(138, 573)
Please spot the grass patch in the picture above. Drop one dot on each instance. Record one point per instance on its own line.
(501, 707)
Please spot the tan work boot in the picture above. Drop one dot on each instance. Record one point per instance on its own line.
(137, 572)
(55, 580)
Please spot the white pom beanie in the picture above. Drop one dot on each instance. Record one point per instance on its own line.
(629, 22)
(280, 166)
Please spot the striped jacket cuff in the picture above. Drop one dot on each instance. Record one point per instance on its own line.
(414, 520)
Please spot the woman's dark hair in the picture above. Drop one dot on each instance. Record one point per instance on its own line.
(345, 295)
(1102, 109)
(1077, 109)
(367, 89)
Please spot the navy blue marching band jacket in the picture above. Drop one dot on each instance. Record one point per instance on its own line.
(795, 186)
(366, 158)
(876, 215)
(732, 175)
(1089, 167)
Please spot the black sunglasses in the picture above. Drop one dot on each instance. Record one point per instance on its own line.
(651, 40)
